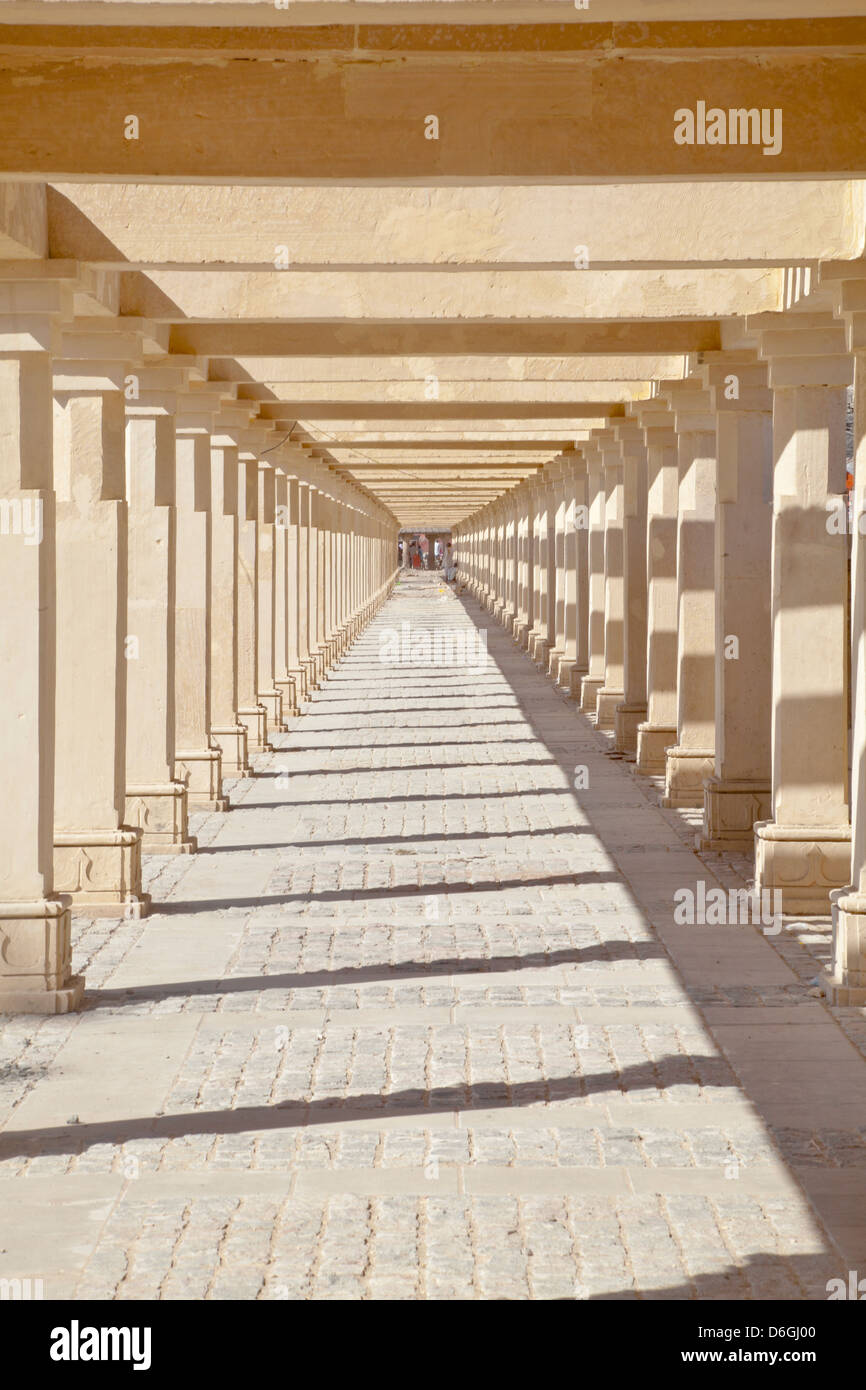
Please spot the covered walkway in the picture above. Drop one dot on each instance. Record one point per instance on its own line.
(415, 1022)
(498, 930)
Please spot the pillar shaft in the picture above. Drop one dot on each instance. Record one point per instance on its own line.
(632, 710)
(804, 852)
(197, 761)
(737, 794)
(226, 729)
(97, 857)
(156, 800)
(691, 759)
(35, 937)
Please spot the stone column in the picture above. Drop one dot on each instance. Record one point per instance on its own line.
(509, 609)
(226, 730)
(197, 761)
(594, 678)
(560, 510)
(538, 573)
(572, 667)
(322, 576)
(848, 982)
(97, 857)
(156, 800)
(523, 621)
(544, 632)
(299, 580)
(269, 693)
(737, 794)
(35, 933)
(308, 614)
(251, 711)
(612, 693)
(659, 731)
(632, 711)
(285, 631)
(805, 851)
(691, 759)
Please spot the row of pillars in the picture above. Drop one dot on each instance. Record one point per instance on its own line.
(694, 575)
(174, 583)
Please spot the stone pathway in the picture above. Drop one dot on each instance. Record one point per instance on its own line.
(416, 1023)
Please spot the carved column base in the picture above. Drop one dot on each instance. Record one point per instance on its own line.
(161, 814)
(36, 959)
(289, 687)
(255, 718)
(731, 809)
(99, 872)
(273, 703)
(804, 863)
(589, 688)
(653, 742)
(606, 702)
(201, 769)
(847, 984)
(554, 657)
(520, 629)
(498, 609)
(539, 650)
(508, 618)
(686, 770)
(626, 719)
(232, 740)
(570, 677)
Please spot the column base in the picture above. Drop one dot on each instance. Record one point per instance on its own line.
(606, 701)
(273, 703)
(805, 863)
(232, 741)
(201, 769)
(99, 872)
(686, 770)
(731, 809)
(161, 814)
(626, 719)
(255, 717)
(288, 687)
(847, 984)
(653, 741)
(36, 959)
(554, 657)
(589, 688)
(539, 649)
(507, 619)
(520, 629)
(569, 677)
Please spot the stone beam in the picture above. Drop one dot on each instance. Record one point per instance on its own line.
(398, 338)
(389, 413)
(583, 101)
(151, 226)
(335, 377)
(451, 292)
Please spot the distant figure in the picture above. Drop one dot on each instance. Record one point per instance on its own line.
(448, 564)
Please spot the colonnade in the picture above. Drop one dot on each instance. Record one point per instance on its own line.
(175, 579)
(683, 575)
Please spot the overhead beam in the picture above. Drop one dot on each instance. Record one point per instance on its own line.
(438, 410)
(477, 227)
(451, 293)
(398, 338)
(570, 105)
